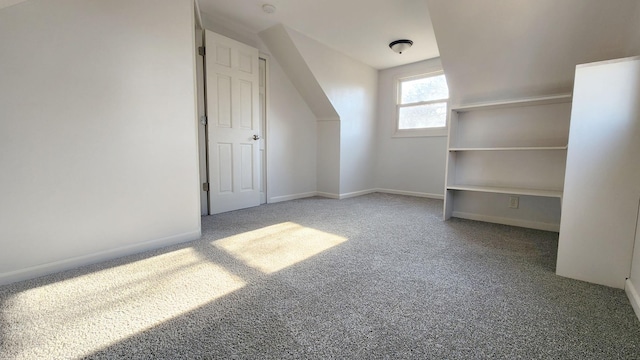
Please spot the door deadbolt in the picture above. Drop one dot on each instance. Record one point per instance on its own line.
(256, 137)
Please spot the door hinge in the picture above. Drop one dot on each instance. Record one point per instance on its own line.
(203, 120)
(201, 51)
(205, 186)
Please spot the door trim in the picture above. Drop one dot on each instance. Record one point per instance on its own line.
(264, 127)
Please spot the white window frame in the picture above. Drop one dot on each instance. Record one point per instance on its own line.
(423, 132)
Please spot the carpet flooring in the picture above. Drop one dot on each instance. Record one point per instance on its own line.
(373, 277)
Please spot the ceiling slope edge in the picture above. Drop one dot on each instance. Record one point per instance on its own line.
(282, 47)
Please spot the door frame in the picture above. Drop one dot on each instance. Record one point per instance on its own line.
(201, 108)
(264, 130)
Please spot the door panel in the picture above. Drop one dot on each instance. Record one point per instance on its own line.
(223, 101)
(225, 168)
(232, 72)
(246, 102)
(223, 55)
(246, 165)
(246, 62)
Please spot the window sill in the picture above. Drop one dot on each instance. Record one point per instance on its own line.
(420, 133)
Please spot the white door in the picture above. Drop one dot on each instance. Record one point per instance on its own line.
(233, 127)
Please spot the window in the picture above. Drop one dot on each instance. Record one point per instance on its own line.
(422, 105)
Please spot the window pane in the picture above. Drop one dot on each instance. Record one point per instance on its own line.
(425, 89)
(423, 116)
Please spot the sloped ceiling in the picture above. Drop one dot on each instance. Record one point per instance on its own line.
(282, 47)
(361, 29)
(497, 49)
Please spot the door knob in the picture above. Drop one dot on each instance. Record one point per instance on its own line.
(256, 137)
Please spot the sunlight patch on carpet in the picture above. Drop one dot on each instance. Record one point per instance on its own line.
(276, 247)
(86, 313)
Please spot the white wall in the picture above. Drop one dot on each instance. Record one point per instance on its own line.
(351, 86)
(602, 182)
(415, 165)
(291, 139)
(98, 140)
(278, 41)
(329, 158)
(231, 29)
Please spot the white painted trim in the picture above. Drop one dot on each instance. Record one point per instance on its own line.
(428, 132)
(421, 132)
(357, 193)
(198, 14)
(411, 193)
(277, 199)
(633, 296)
(612, 61)
(328, 195)
(506, 221)
(542, 100)
(75, 262)
(266, 133)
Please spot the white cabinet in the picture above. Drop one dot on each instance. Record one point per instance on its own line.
(505, 152)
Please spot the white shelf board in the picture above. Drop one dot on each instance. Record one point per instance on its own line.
(545, 100)
(514, 148)
(507, 190)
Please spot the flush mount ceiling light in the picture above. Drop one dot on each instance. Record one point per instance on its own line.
(268, 8)
(400, 45)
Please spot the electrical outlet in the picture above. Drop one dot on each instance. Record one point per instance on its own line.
(513, 202)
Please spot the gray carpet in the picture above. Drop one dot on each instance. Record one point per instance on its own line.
(378, 276)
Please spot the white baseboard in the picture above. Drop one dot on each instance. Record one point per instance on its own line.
(411, 193)
(634, 298)
(277, 199)
(328, 195)
(507, 221)
(75, 262)
(357, 193)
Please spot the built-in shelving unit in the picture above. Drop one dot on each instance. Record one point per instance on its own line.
(507, 149)
(508, 190)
